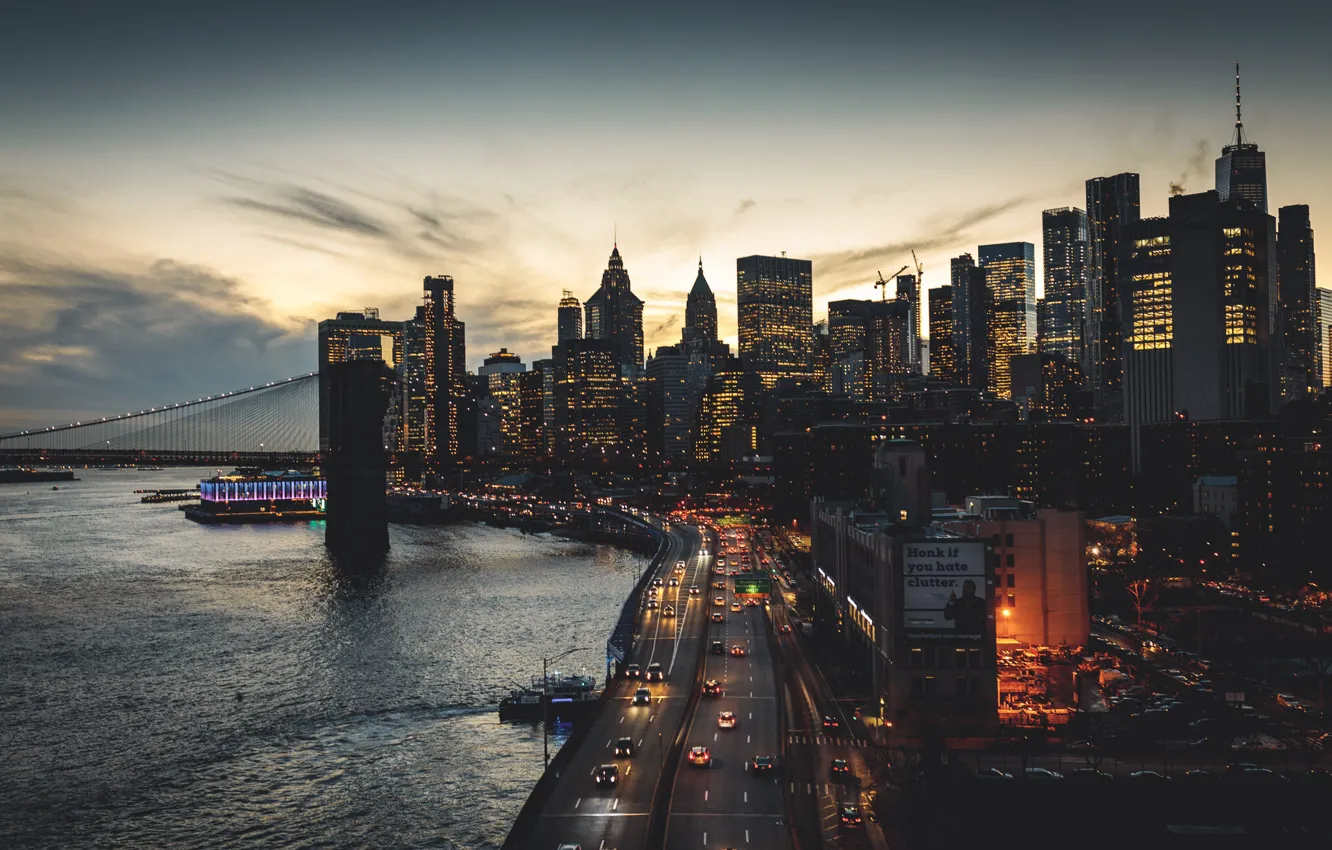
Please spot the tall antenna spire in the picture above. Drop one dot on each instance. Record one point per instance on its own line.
(1239, 120)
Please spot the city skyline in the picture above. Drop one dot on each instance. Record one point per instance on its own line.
(212, 216)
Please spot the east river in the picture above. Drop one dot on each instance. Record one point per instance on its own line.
(167, 684)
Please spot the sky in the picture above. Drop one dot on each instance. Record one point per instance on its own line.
(186, 189)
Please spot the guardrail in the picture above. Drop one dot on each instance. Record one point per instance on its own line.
(521, 831)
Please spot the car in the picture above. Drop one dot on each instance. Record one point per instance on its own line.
(625, 747)
(679, 566)
(851, 816)
(700, 757)
(1261, 774)
(717, 617)
(726, 720)
(829, 722)
(1148, 776)
(642, 696)
(633, 671)
(718, 602)
(712, 688)
(653, 593)
(992, 773)
(674, 582)
(1041, 774)
(735, 606)
(751, 602)
(721, 571)
(717, 648)
(656, 582)
(840, 770)
(653, 604)
(1199, 776)
(763, 764)
(693, 590)
(1087, 774)
(606, 775)
(654, 672)
(719, 585)
(737, 651)
(786, 628)
(668, 611)
(570, 847)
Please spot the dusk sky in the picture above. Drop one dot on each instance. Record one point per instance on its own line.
(187, 188)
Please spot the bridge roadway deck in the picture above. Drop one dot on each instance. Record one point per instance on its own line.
(577, 812)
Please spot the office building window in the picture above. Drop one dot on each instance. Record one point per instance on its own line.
(1012, 601)
(1008, 540)
(931, 686)
(1011, 578)
(1010, 561)
(960, 659)
(917, 658)
(917, 686)
(974, 659)
(960, 685)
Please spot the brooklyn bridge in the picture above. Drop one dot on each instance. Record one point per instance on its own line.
(271, 424)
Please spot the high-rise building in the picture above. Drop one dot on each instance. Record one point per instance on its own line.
(870, 345)
(503, 372)
(668, 403)
(908, 290)
(1241, 170)
(724, 408)
(943, 360)
(615, 313)
(848, 326)
(570, 325)
(971, 311)
(1323, 327)
(416, 401)
(549, 420)
(1149, 326)
(362, 335)
(1296, 294)
(532, 410)
(444, 354)
(1010, 273)
(775, 301)
(823, 366)
(1112, 202)
(1066, 248)
(588, 392)
(700, 310)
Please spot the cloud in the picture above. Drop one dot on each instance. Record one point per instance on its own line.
(745, 206)
(840, 270)
(79, 340)
(306, 205)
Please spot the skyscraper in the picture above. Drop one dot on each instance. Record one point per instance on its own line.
(908, 290)
(775, 300)
(443, 347)
(971, 306)
(1296, 293)
(668, 403)
(700, 310)
(1112, 202)
(416, 401)
(570, 318)
(1241, 170)
(615, 313)
(943, 360)
(1323, 331)
(587, 396)
(1066, 245)
(504, 372)
(1010, 273)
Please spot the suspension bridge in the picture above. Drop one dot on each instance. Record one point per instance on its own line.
(275, 423)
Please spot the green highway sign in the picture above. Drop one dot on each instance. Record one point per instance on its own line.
(752, 585)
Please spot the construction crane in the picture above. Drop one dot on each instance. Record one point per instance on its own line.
(883, 284)
(920, 270)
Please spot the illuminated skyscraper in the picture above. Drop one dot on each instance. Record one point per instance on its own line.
(725, 407)
(943, 360)
(1297, 290)
(416, 401)
(570, 318)
(1241, 170)
(1067, 254)
(588, 392)
(503, 372)
(1323, 329)
(971, 311)
(870, 344)
(443, 353)
(775, 301)
(908, 290)
(1112, 203)
(615, 313)
(1149, 325)
(700, 310)
(1010, 273)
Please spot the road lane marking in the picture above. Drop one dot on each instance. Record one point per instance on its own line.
(746, 796)
(615, 804)
(628, 768)
(608, 742)
(705, 795)
(746, 836)
(640, 743)
(747, 739)
(576, 802)
(705, 839)
(621, 719)
(603, 844)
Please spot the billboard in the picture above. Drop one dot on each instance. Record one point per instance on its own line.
(944, 593)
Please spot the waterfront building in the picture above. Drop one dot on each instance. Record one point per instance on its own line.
(570, 318)
(504, 372)
(1112, 203)
(445, 355)
(614, 313)
(775, 304)
(1010, 274)
(1297, 297)
(416, 401)
(1066, 250)
(943, 358)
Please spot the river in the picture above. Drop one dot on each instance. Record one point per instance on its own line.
(168, 684)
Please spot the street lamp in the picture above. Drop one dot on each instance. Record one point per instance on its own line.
(545, 697)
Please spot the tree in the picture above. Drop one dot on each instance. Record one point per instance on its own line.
(1142, 592)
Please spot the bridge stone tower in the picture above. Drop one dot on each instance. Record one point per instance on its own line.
(359, 392)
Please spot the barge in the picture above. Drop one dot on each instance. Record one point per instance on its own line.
(252, 495)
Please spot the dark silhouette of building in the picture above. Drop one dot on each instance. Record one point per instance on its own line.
(775, 303)
(1050, 386)
(570, 318)
(615, 313)
(1297, 294)
(1284, 513)
(943, 357)
(668, 404)
(1112, 203)
(356, 463)
(972, 303)
(361, 335)
(1241, 170)
(1066, 247)
(700, 310)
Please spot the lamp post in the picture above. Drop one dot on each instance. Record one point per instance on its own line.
(545, 700)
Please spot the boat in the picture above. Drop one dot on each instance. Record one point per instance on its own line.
(568, 697)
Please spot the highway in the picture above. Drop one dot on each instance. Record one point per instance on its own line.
(727, 804)
(577, 811)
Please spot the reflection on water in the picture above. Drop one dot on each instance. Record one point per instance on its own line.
(170, 684)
